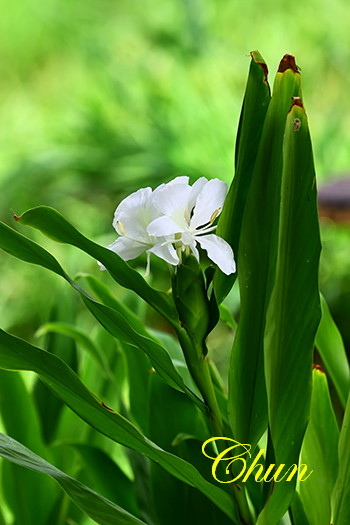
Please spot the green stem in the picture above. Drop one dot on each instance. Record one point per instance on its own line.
(200, 372)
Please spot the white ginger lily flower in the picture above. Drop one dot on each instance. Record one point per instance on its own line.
(173, 214)
(187, 213)
(131, 219)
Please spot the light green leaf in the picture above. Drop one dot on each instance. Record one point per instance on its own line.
(94, 505)
(320, 454)
(82, 339)
(341, 492)
(330, 345)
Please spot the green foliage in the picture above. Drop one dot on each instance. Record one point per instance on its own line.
(144, 352)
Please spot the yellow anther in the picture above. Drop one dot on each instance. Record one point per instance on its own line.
(214, 215)
(121, 227)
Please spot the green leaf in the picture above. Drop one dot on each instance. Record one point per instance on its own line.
(320, 454)
(330, 345)
(105, 475)
(23, 248)
(16, 354)
(139, 376)
(55, 226)
(247, 403)
(255, 103)
(17, 407)
(82, 339)
(94, 505)
(294, 310)
(187, 504)
(341, 492)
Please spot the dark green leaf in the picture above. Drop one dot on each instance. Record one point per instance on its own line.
(16, 354)
(294, 310)
(256, 267)
(255, 103)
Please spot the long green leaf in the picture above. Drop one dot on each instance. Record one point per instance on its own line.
(247, 402)
(16, 354)
(54, 225)
(294, 310)
(330, 345)
(255, 103)
(23, 248)
(17, 406)
(341, 492)
(100, 509)
(320, 453)
(82, 339)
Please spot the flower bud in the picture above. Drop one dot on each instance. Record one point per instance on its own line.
(191, 299)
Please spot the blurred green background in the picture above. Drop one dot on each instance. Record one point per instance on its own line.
(101, 97)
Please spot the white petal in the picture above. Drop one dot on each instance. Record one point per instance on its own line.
(172, 199)
(195, 191)
(219, 251)
(166, 252)
(134, 214)
(210, 199)
(177, 180)
(127, 249)
(163, 226)
(195, 251)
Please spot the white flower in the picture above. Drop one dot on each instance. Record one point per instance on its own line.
(174, 214)
(187, 213)
(131, 219)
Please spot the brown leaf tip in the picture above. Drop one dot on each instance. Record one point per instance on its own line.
(296, 101)
(288, 62)
(16, 217)
(259, 60)
(317, 367)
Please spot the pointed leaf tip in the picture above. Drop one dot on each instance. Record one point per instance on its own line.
(258, 59)
(288, 62)
(318, 367)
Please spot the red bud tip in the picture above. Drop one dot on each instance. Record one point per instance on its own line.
(317, 367)
(288, 62)
(296, 101)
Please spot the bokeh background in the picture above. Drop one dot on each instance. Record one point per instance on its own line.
(101, 97)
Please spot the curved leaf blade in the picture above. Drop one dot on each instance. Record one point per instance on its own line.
(94, 505)
(330, 345)
(51, 223)
(320, 453)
